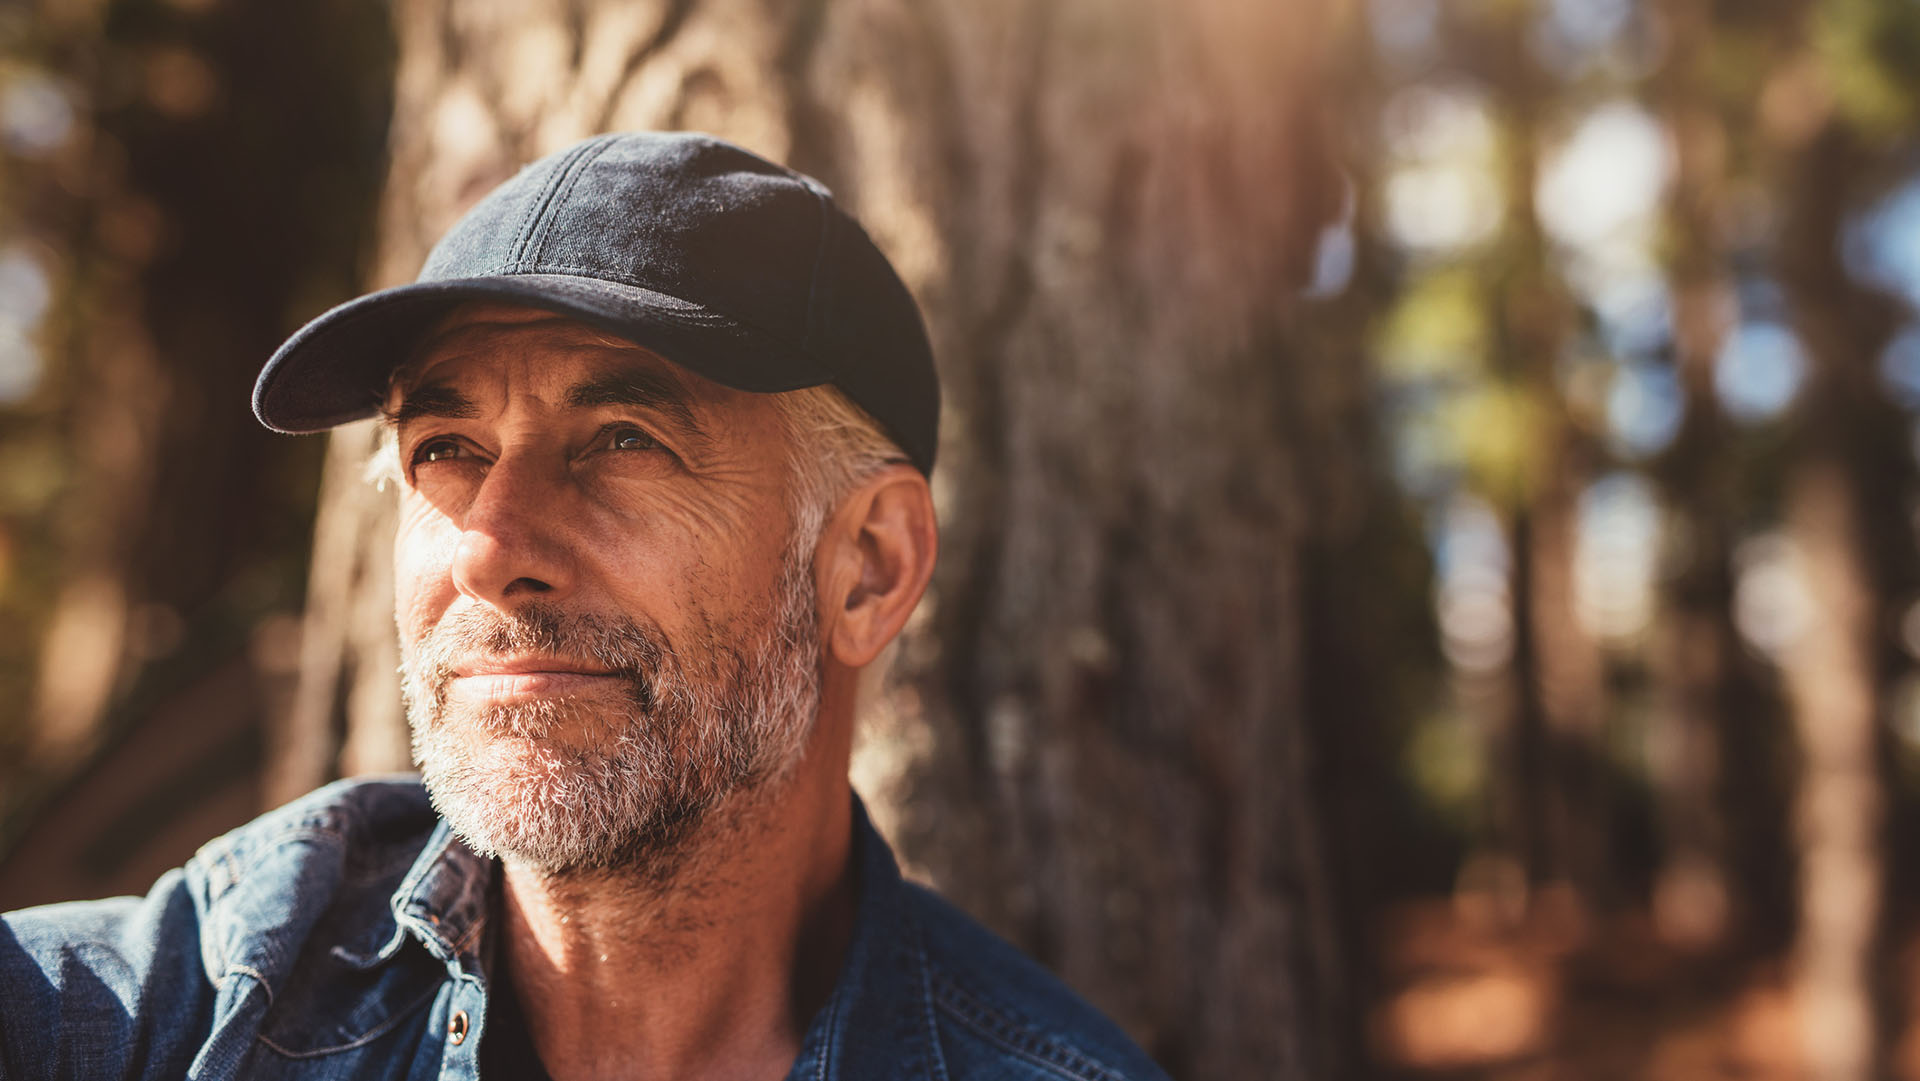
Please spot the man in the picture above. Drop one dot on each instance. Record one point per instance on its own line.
(661, 418)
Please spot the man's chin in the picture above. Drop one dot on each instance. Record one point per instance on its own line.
(556, 747)
(554, 771)
(534, 801)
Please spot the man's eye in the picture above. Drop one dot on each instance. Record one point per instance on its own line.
(437, 450)
(627, 437)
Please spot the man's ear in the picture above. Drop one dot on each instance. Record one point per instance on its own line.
(874, 560)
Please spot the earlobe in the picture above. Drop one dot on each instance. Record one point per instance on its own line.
(885, 540)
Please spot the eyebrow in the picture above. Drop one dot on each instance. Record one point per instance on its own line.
(641, 390)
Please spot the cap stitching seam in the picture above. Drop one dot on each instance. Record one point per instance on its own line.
(575, 169)
(524, 235)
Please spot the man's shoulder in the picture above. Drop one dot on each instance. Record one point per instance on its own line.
(363, 827)
(348, 835)
(325, 864)
(347, 832)
(84, 981)
(1001, 1014)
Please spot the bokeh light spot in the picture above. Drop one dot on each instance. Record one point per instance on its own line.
(1614, 558)
(1606, 178)
(36, 115)
(1759, 371)
(1644, 408)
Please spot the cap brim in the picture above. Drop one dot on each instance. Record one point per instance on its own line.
(336, 368)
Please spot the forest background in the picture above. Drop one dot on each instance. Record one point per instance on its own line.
(1429, 582)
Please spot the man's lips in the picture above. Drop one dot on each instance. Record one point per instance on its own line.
(521, 679)
(527, 666)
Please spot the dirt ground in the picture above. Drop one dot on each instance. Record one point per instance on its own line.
(1559, 995)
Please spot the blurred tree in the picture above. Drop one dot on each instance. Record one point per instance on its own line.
(1559, 817)
(1522, 449)
(1093, 737)
(1712, 766)
(1831, 667)
(1370, 662)
(210, 185)
(1839, 116)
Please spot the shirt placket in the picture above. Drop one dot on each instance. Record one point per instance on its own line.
(444, 907)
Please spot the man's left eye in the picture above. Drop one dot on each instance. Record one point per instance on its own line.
(626, 437)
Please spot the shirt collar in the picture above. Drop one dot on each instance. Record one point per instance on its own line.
(877, 1023)
(879, 1020)
(441, 903)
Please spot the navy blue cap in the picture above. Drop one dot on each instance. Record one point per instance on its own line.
(741, 270)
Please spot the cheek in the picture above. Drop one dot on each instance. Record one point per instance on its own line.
(664, 534)
(667, 516)
(690, 567)
(423, 550)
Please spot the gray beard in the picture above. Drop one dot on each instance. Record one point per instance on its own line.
(630, 789)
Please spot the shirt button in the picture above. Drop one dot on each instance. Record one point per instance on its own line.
(457, 1027)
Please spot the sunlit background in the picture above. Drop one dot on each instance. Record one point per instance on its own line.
(1638, 287)
(1601, 235)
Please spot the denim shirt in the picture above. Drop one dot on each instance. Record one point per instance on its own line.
(342, 936)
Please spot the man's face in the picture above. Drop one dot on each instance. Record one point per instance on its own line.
(605, 626)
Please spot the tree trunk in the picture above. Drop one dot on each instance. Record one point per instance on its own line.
(1092, 735)
(1847, 536)
(1555, 817)
(1709, 772)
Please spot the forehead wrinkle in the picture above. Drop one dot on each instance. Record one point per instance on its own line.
(493, 333)
(432, 400)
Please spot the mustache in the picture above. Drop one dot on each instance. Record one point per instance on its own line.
(624, 647)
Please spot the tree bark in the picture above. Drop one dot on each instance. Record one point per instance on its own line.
(1092, 735)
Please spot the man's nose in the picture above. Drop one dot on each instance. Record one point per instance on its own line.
(510, 549)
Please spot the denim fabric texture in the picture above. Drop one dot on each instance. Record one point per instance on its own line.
(342, 936)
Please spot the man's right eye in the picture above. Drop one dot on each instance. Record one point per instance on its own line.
(437, 450)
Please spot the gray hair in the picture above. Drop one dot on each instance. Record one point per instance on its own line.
(834, 446)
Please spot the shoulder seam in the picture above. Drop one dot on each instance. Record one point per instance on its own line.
(1060, 1058)
(237, 865)
(235, 853)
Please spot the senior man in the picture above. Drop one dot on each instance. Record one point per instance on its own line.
(661, 418)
